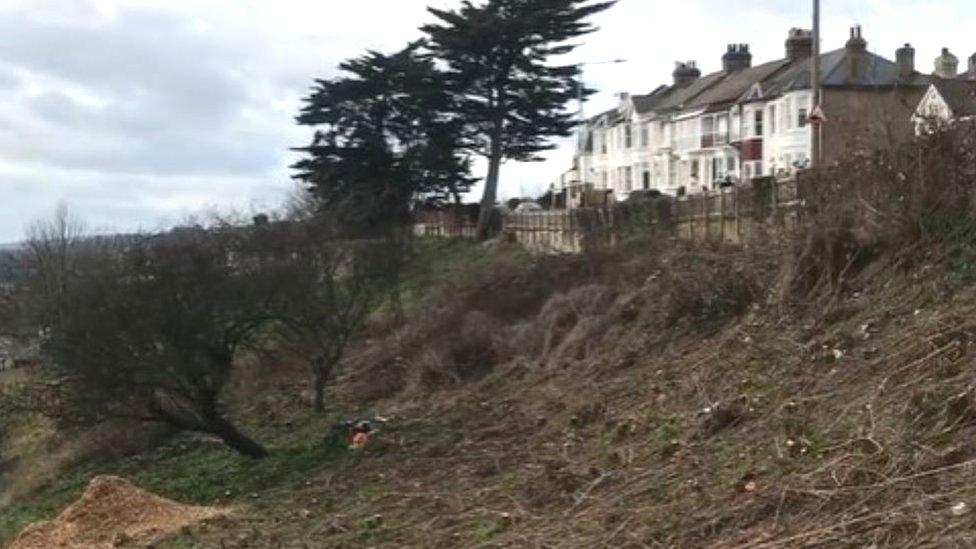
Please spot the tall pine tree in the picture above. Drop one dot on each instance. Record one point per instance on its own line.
(511, 99)
(386, 134)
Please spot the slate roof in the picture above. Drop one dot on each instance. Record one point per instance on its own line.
(647, 103)
(735, 84)
(960, 95)
(678, 97)
(837, 71)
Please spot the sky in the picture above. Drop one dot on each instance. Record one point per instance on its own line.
(140, 113)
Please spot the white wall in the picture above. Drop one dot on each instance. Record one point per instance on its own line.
(787, 142)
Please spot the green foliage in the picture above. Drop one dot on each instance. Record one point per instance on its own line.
(511, 99)
(497, 53)
(435, 261)
(385, 136)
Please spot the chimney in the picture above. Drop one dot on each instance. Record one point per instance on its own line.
(905, 59)
(799, 44)
(685, 73)
(946, 65)
(736, 57)
(857, 48)
(857, 43)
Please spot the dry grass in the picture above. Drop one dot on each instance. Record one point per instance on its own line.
(658, 395)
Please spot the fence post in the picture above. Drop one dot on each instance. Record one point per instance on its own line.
(721, 230)
(738, 218)
(706, 210)
(775, 194)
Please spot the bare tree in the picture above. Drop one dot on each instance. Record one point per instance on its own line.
(53, 245)
(324, 288)
(152, 332)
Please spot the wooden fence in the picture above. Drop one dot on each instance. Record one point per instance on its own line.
(735, 215)
(446, 224)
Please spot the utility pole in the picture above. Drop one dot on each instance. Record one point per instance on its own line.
(816, 129)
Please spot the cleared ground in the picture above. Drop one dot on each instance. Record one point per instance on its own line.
(610, 401)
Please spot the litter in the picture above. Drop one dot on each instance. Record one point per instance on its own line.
(355, 434)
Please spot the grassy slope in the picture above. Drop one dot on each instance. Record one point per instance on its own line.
(797, 448)
(195, 469)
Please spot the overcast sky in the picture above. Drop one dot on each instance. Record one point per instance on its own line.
(139, 112)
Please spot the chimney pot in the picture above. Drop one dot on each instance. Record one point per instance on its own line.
(946, 65)
(736, 58)
(857, 43)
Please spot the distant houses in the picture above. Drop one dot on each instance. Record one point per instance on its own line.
(946, 102)
(747, 121)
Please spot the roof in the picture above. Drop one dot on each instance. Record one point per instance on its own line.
(647, 103)
(679, 96)
(959, 95)
(838, 70)
(736, 84)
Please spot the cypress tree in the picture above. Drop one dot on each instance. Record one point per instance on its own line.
(511, 99)
(386, 135)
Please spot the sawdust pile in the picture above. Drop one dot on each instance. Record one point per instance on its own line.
(111, 513)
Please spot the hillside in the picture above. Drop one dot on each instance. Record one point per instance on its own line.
(653, 395)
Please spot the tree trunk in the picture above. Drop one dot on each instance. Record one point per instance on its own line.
(320, 375)
(237, 440)
(207, 422)
(491, 189)
(319, 388)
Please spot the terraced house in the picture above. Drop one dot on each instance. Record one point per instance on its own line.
(747, 121)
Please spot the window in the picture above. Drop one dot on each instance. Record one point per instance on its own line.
(628, 136)
(707, 125)
(802, 119)
(787, 117)
(647, 180)
(758, 123)
(694, 169)
(747, 168)
(730, 164)
(629, 177)
(772, 119)
(716, 168)
(759, 170)
(644, 135)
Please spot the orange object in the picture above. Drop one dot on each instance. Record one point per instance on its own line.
(359, 440)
